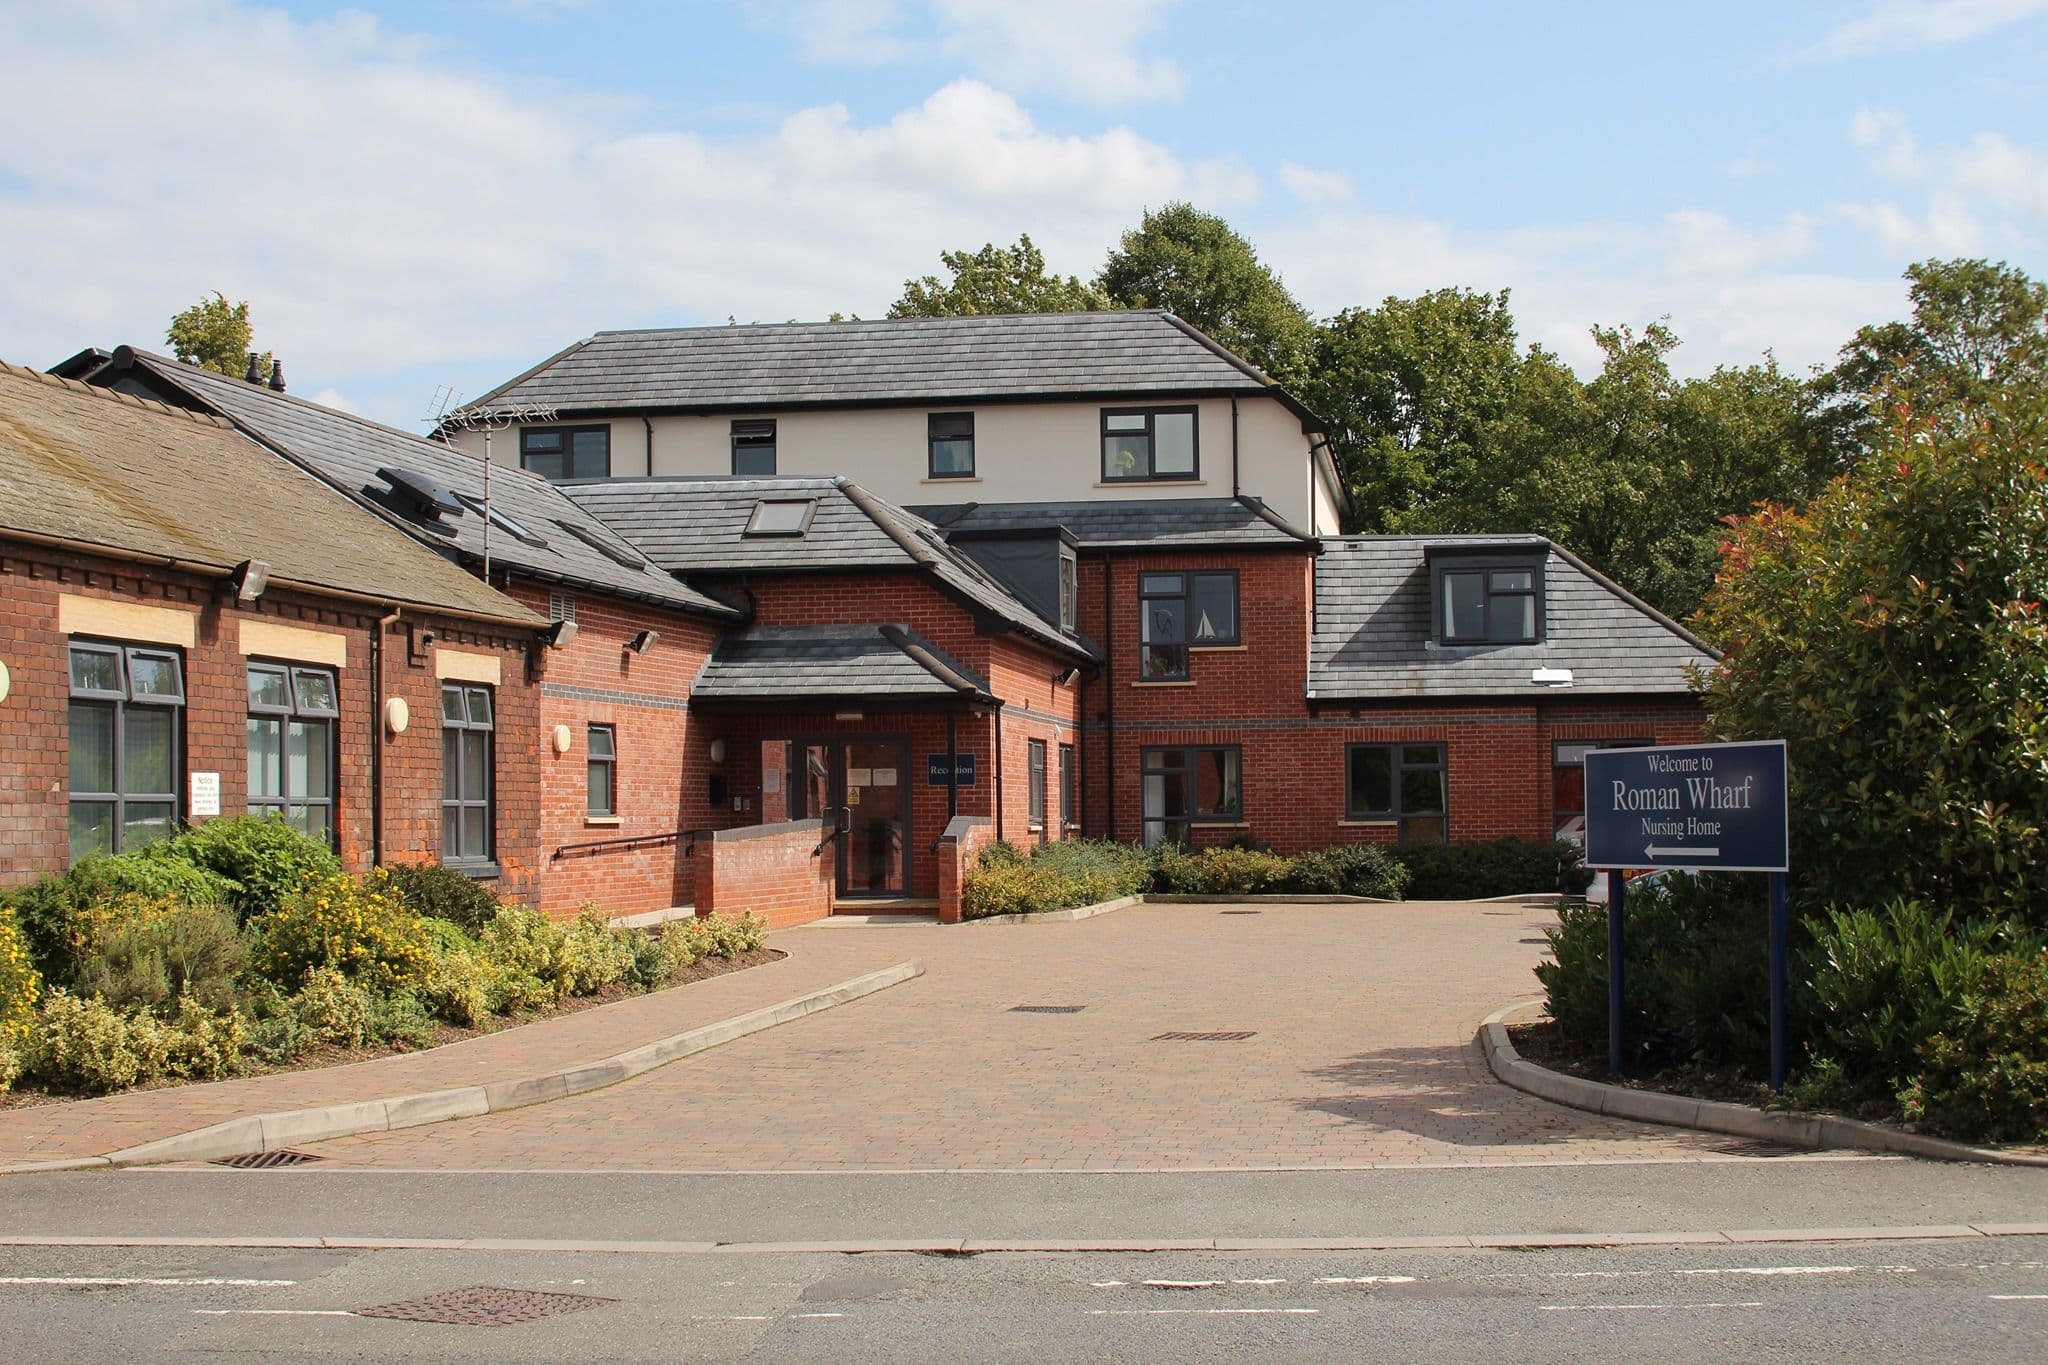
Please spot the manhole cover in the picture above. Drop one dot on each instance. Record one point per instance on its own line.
(1241, 912)
(1047, 1009)
(483, 1305)
(1203, 1037)
(263, 1161)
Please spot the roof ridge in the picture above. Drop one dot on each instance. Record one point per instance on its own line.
(109, 395)
(735, 327)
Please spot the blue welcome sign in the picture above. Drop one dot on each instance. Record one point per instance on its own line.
(1703, 807)
(954, 771)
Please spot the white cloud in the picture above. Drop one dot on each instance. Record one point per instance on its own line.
(1315, 187)
(2011, 176)
(1083, 50)
(329, 398)
(1748, 167)
(849, 32)
(1885, 132)
(1903, 25)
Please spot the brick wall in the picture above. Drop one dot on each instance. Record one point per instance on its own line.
(776, 872)
(959, 847)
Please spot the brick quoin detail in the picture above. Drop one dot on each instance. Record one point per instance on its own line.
(776, 872)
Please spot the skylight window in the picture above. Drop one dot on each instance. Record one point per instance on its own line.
(500, 520)
(605, 548)
(781, 516)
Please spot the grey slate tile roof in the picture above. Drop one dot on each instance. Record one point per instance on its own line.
(105, 469)
(886, 360)
(348, 451)
(1374, 627)
(1152, 523)
(697, 526)
(767, 663)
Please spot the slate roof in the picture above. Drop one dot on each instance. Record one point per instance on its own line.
(103, 469)
(348, 451)
(1374, 627)
(906, 360)
(771, 663)
(1148, 524)
(697, 526)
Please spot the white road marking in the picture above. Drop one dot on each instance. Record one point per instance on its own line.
(1635, 1307)
(740, 1317)
(108, 1282)
(817, 1315)
(1367, 1279)
(1201, 1312)
(2017, 1298)
(1106, 1284)
(272, 1313)
(1805, 1270)
(1182, 1284)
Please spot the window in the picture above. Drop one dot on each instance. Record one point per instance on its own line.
(1070, 793)
(1488, 603)
(1185, 787)
(1568, 782)
(781, 517)
(1149, 443)
(558, 453)
(951, 436)
(753, 448)
(124, 743)
(1177, 610)
(603, 783)
(1401, 783)
(291, 746)
(1035, 759)
(466, 732)
(614, 551)
(475, 503)
(1070, 591)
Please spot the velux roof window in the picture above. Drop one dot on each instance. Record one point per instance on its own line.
(781, 516)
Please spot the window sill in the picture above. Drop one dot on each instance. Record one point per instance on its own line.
(1219, 649)
(1221, 824)
(610, 821)
(1180, 481)
(1187, 682)
(476, 871)
(951, 478)
(1368, 824)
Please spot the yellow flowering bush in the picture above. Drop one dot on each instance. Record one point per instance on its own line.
(20, 988)
(337, 922)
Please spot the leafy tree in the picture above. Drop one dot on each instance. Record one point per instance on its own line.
(1977, 327)
(1894, 634)
(1192, 264)
(214, 335)
(995, 279)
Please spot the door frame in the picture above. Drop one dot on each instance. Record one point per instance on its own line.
(836, 742)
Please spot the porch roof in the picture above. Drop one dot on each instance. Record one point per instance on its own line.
(814, 664)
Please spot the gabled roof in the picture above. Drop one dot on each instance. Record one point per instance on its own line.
(788, 663)
(1138, 524)
(698, 526)
(1375, 627)
(350, 452)
(890, 360)
(100, 469)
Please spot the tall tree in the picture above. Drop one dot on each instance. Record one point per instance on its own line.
(215, 335)
(1192, 264)
(995, 279)
(1977, 327)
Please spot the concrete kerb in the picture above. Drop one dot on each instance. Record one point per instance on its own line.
(270, 1132)
(1815, 1131)
(1169, 898)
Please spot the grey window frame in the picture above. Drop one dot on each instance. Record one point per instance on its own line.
(802, 528)
(477, 507)
(1187, 644)
(118, 700)
(1398, 764)
(1034, 767)
(1190, 756)
(1070, 791)
(1557, 748)
(746, 434)
(296, 711)
(484, 733)
(932, 439)
(1486, 567)
(1150, 474)
(592, 763)
(1070, 589)
(568, 435)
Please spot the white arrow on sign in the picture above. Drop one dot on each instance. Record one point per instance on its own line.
(1652, 851)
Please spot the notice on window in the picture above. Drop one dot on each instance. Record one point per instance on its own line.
(205, 795)
(860, 777)
(885, 777)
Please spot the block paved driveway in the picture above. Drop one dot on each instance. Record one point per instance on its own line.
(1362, 1054)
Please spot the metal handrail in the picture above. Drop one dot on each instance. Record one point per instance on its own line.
(595, 845)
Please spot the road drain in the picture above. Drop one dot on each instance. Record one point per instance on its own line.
(1203, 1037)
(263, 1161)
(1047, 1009)
(484, 1305)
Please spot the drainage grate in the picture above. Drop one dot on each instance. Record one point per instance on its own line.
(1203, 1037)
(1240, 912)
(1047, 1009)
(263, 1161)
(483, 1305)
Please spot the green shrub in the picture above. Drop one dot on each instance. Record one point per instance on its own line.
(1476, 871)
(1984, 1078)
(1350, 870)
(11, 1064)
(261, 858)
(331, 1008)
(653, 960)
(336, 921)
(529, 949)
(1223, 872)
(1001, 853)
(594, 955)
(1105, 869)
(88, 1046)
(158, 952)
(61, 914)
(1057, 876)
(692, 940)
(21, 988)
(684, 941)
(1011, 888)
(403, 1018)
(431, 890)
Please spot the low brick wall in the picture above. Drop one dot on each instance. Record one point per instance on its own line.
(776, 872)
(965, 837)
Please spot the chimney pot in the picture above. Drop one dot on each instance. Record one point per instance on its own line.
(254, 374)
(277, 376)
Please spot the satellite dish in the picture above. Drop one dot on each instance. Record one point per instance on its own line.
(426, 494)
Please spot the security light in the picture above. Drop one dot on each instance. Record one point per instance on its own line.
(644, 641)
(249, 579)
(558, 635)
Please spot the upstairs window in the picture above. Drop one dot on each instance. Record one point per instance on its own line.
(1177, 611)
(559, 453)
(753, 448)
(1488, 603)
(951, 438)
(292, 712)
(124, 746)
(1149, 443)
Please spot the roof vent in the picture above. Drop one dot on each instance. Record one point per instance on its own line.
(418, 495)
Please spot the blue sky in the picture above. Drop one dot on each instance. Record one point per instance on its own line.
(418, 195)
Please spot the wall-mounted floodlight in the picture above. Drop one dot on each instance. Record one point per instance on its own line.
(559, 635)
(644, 641)
(249, 579)
(1063, 679)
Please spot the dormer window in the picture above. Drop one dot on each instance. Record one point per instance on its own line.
(1070, 591)
(781, 517)
(1488, 602)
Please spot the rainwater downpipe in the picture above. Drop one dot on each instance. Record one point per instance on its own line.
(999, 769)
(648, 422)
(1109, 681)
(1234, 492)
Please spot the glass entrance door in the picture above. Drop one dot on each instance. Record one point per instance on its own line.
(872, 860)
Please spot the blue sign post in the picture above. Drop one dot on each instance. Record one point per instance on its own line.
(1699, 808)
